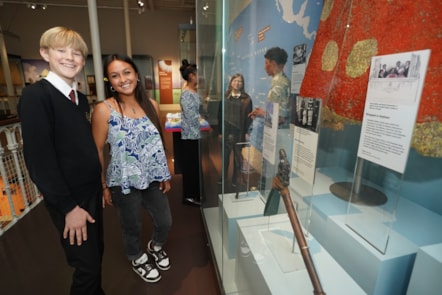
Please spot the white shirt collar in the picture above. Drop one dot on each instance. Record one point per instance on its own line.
(60, 84)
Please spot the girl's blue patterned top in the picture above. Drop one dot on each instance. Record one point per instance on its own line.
(190, 116)
(137, 153)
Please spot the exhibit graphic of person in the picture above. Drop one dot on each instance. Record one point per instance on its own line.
(299, 54)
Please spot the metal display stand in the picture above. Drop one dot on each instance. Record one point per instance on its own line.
(356, 192)
(238, 194)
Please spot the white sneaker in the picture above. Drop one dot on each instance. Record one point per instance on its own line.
(161, 258)
(145, 270)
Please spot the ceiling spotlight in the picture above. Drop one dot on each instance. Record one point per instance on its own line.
(206, 6)
(140, 4)
(44, 6)
(33, 6)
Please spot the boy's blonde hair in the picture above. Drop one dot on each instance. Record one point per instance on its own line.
(60, 37)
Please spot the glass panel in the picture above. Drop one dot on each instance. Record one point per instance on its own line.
(209, 55)
(187, 40)
(372, 197)
(232, 38)
(255, 253)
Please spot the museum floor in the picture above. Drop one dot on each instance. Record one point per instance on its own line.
(32, 262)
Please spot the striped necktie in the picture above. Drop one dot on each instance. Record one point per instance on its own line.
(72, 96)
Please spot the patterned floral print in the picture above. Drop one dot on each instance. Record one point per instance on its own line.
(137, 153)
(190, 117)
(280, 92)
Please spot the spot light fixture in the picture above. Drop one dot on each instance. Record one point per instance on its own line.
(206, 6)
(35, 6)
(140, 4)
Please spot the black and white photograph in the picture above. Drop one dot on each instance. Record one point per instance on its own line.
(299, 52)
(306, 112)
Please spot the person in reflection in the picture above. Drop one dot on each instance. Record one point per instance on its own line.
(237, 106)
(191, 105)
(138, 174)
(274, 61)
(62, 158)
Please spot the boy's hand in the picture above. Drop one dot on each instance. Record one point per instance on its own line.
(75, 227)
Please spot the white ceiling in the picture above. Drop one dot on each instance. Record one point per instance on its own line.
(150, 5)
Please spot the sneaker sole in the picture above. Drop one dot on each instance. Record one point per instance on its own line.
(162, 267)
(148, 280)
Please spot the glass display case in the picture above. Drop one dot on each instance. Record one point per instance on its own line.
(292, 206)
(187, 41)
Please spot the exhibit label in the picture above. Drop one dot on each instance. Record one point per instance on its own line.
(393, 96)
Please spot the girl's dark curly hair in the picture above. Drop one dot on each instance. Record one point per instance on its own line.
(186, 69)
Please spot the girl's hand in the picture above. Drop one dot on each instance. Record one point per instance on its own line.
(107, 199)
(165, 186)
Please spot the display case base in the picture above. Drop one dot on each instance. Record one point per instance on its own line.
(377, 272)
(265, 267)
(232, 209)
(427, 271)
(225, 266)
